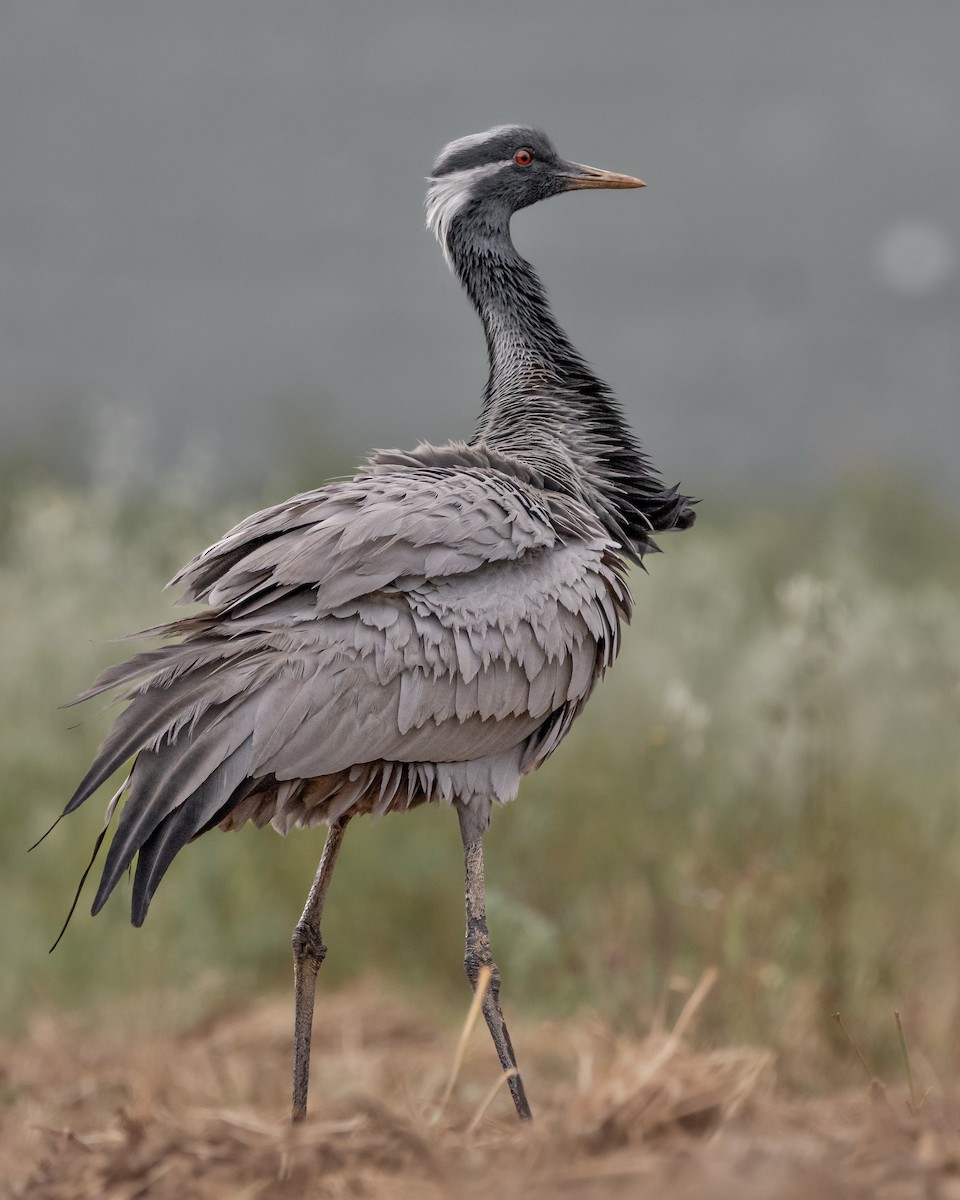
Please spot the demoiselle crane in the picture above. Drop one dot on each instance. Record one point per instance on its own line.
(425, 631)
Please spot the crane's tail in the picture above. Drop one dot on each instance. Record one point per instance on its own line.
(190, 724)
(161, 815)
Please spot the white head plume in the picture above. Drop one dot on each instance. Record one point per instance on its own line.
(446, 196)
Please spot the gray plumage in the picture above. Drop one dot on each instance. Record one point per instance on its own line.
(426, 631)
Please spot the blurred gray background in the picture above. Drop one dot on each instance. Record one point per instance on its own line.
(212, 252)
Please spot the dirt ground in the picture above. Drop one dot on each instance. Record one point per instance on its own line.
(107, 1112)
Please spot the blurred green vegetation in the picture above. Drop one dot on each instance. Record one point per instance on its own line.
(767, 782)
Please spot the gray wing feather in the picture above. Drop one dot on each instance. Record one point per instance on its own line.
(151, 715)
(351, 538)
(428, 612)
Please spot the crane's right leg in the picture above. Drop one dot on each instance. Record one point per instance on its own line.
(479, 955)
(308, 955)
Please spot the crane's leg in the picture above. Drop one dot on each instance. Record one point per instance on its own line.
(308, 955)
(478, 955)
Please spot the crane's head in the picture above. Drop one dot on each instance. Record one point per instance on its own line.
(491, 175)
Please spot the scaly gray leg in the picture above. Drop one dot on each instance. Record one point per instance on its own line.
(478, 955)
(308, 954)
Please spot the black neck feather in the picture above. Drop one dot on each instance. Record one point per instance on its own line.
(543, 405)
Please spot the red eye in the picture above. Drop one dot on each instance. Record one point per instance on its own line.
(523, 158)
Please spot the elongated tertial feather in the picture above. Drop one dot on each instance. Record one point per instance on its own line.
(108, 817)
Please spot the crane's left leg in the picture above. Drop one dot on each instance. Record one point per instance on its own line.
(478, 955)
(308, 955)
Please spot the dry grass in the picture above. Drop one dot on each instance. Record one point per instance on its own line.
(124, 1112)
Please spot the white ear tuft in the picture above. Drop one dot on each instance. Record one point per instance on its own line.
(447, 195)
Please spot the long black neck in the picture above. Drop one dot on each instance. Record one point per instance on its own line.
(542, 403)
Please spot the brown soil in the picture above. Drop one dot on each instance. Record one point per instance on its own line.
(106, 1112)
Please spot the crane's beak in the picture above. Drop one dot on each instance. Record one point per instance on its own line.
(580, 176)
